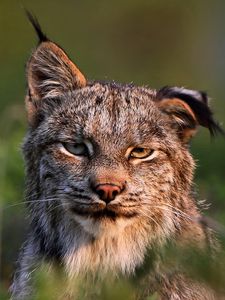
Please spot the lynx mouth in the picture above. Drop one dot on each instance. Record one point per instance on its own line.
(106, 213)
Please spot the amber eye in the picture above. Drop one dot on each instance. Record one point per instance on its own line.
(141, 152)
(76, 149)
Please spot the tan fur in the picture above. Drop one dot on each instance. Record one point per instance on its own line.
(171, 106)
(82, 135)
(67, 78)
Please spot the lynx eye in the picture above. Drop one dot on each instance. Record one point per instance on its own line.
(79, 149)
(141, 153)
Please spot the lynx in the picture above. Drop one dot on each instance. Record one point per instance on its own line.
(109, 173)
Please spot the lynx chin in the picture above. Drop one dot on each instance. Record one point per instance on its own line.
(109, 175)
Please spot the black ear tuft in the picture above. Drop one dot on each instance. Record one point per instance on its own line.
(198, 103)
(33, 20)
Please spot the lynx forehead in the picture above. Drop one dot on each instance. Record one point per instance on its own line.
(109, 173)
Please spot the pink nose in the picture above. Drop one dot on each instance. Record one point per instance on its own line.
(107, 192)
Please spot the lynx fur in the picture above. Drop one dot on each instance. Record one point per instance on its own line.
(109, 173)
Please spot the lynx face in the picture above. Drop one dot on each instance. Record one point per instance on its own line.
(108, 165)
(110, 157)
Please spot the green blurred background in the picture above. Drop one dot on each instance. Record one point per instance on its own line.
(147, 42)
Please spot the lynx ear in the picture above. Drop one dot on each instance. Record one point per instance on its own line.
(50, 72)
(188, 109)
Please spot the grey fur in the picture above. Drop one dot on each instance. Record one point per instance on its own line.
(65, 212)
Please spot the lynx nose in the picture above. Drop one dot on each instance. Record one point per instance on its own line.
(107, 192)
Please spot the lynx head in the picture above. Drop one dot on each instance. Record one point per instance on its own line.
(105, 156)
